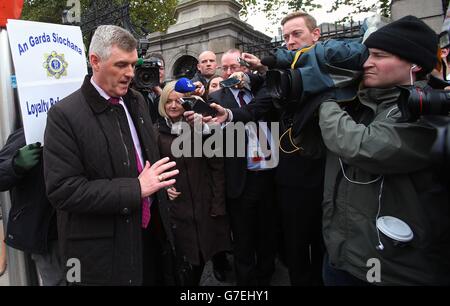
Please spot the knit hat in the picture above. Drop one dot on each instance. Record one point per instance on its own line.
(409, 38)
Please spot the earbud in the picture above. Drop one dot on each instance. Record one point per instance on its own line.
(380, 247)
(413, 66)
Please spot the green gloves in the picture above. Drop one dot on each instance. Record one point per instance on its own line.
(27, 157)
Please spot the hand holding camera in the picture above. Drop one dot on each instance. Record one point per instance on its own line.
(237, 80)
(253, 62)
(192, 102)
(197, 105)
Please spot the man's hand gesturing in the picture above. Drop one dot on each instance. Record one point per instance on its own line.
(155, 177)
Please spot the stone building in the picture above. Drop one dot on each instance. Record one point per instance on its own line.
(202, 25)
(432, 12)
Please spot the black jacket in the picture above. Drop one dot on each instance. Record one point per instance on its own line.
(198, 77)
(32, 220)
(91, 179)
(235, 167)
(198, 235)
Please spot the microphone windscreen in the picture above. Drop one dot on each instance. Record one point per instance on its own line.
(184, 85)
(140, 61)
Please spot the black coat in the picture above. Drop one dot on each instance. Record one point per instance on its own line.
(235, 167)
(91, 179)
(32, 220)
(198, 235)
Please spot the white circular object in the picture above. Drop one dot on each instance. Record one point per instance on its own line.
(395, 228)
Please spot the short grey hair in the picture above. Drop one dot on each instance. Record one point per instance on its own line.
(107, 36)
(232, 51)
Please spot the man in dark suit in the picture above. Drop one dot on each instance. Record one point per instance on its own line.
(103, 173)
(250, 192)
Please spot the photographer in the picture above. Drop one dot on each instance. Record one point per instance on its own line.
(298, 179)
(382, 200)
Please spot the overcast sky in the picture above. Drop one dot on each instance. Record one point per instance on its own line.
(260, 23)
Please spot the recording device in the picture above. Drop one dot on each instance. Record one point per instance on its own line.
(230, 82)
(434, 106)
(193, 103)
(197, 105)
(284, 85)
(242, 62)
(184, 85)
(146, 73)
(414, 102)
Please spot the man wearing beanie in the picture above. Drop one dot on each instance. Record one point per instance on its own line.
(386, 218)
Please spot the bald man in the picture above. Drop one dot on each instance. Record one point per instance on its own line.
(207, 64)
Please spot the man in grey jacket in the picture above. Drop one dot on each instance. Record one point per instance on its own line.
(386, 218)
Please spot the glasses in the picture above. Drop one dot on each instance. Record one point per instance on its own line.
(232, 68)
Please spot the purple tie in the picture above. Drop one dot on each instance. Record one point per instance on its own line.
(241, 95)
(114, 100)
(145, 201)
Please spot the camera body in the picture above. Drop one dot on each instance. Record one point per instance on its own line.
(294, 76)
(414, 102)
(146, 74)
(285, 87)
(433, 107)
(230, 82)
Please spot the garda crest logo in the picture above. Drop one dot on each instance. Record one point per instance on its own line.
(55, 64)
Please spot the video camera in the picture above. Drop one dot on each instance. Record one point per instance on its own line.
(295, 76)
(146, 73)
(284, 84)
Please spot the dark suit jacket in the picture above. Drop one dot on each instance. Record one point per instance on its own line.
(235, 167)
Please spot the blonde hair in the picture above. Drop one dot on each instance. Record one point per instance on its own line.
(167, 90)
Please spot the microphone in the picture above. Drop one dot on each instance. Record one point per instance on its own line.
(184, 85)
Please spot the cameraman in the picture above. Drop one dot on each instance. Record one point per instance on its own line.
(153, 94)
(378, 181)
(299, 179)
